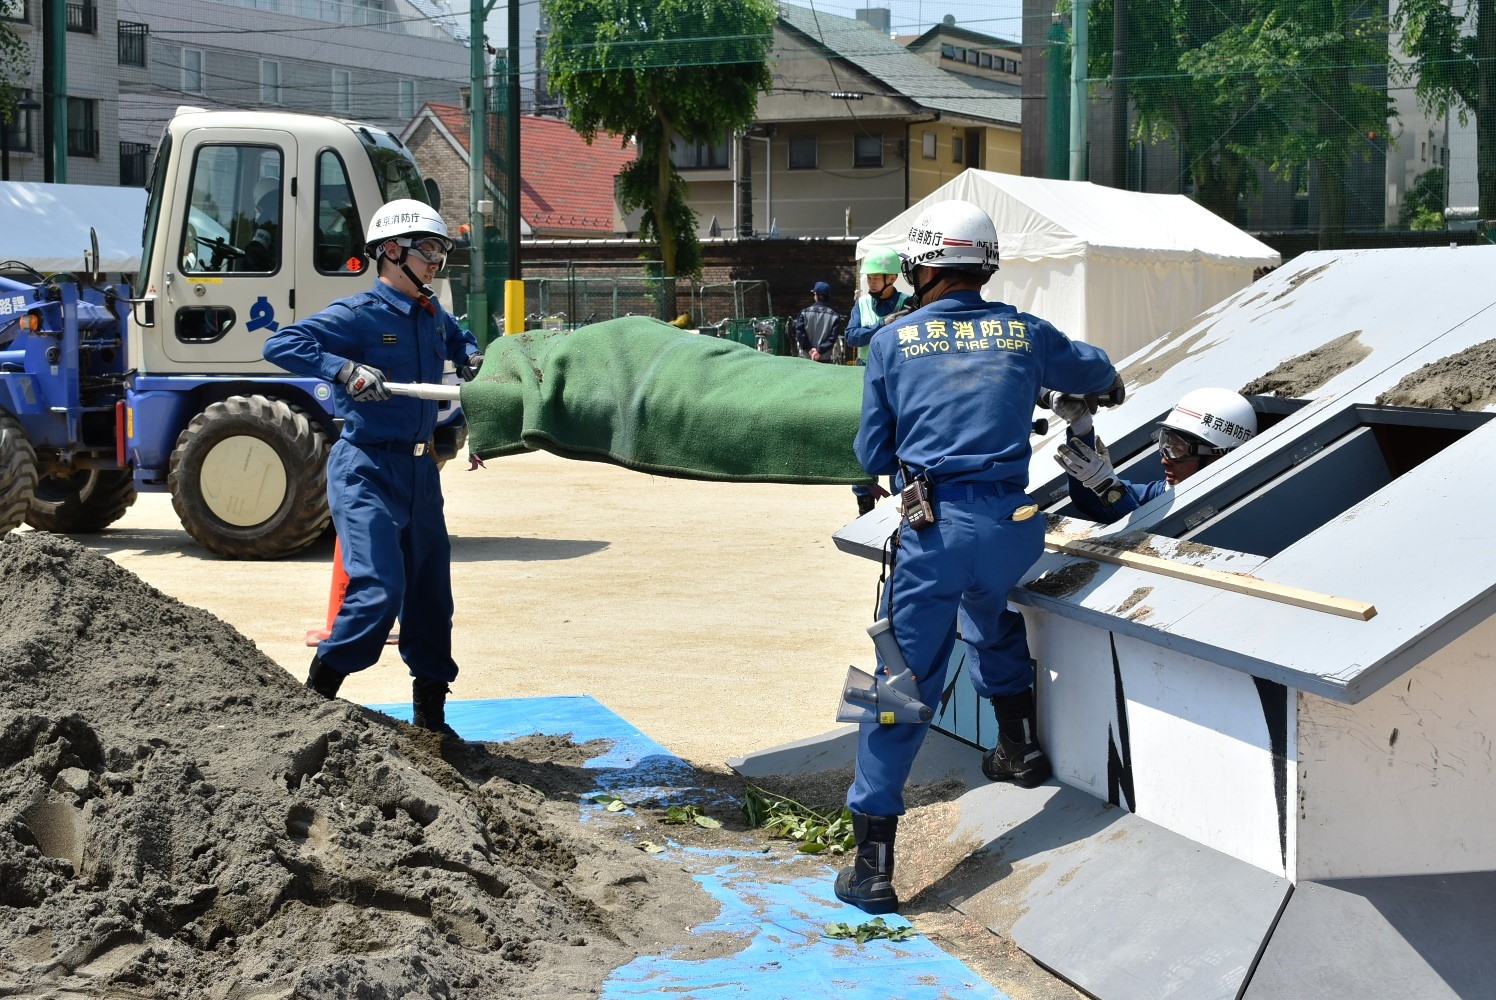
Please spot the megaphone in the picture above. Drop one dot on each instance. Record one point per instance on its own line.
(888, 698)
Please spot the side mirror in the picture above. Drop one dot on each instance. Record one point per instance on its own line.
(96, 273)
(433, 193)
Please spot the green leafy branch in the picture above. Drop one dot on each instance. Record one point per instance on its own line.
(873, 929)
(674, 815)
(817, 832)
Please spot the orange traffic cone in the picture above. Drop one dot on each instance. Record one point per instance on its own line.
(335, 599)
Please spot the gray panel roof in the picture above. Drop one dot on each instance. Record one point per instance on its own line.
(900, 70)
(1420, 548)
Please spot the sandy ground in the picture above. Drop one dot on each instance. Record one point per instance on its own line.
(718, 618)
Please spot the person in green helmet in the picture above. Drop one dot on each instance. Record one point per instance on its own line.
(882, 304)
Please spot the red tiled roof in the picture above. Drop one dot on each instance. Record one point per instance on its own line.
(565, 184)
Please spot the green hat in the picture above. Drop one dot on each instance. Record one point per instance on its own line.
(884, 260)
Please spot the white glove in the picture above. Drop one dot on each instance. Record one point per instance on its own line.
(365, 384)
(894, 317)
(1074, 410)
(1092, 467)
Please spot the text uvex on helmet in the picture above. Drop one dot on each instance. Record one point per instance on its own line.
(403, 217)
(951, 234)
(884, 260)
(1217, 418)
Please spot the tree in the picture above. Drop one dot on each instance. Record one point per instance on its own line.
(13, 54)
(1423, 205)
(1212, 128)
(1317, 71)
(1453, 46)
(658, 70)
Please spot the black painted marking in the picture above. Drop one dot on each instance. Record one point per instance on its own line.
(1274, 698)
(1119, 745)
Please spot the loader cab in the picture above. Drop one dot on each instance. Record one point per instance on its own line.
(256, 219)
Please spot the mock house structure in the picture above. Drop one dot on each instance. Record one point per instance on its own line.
(1266, 693)
(1110, 267)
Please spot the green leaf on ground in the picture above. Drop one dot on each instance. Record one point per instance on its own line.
(874, 929)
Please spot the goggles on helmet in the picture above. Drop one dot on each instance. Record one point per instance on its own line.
(1176, 446)
(431, 249)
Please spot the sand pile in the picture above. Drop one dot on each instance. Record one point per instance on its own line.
(179, 818)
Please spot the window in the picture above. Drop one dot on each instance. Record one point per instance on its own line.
(802, 152)
(1011, 65)
(972, 57)
(699, 155)
(1423, 151)
(987, 61)
(342, 84)
(947, 51)
(19, 130)
(81, 17)
(867, 151)
(233, 223)
(15, 10)
(407, 99)
(339, 247)
(958, 149)
(134, 164)
(132, 43)
(192, 71)
(927, 145)
(83, 127)
(270, 81)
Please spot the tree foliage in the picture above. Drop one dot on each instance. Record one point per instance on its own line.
(656, 70)
(1423, 205)
(13, 59)
(1453, 47)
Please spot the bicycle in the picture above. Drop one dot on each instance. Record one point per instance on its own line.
(839, 351)
(763, 332)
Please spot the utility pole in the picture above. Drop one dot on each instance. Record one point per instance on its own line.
(514, 288)
(479, 204)
(55, 100)
(1078, 70)
(1119, 94)
(1056, 102)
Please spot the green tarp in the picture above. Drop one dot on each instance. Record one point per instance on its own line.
(644, 395)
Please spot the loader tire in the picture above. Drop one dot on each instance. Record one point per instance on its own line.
(87, 501)
(17, 473)
(248, 478)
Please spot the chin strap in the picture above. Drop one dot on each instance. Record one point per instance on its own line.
(424, 300)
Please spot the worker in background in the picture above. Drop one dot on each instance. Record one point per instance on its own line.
(263, 251)
(882, 304)
(1204, 425)
(947, 405)
(818, 328)
(382, 481)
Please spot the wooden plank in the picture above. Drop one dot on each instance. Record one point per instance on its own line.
(1237, 583)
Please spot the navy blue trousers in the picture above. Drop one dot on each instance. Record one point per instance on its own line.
(958, 570)
(388, 511)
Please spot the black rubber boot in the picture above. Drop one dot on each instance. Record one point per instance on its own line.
(428, 700)
(865, 504)
(1017, 756)
(868, 884)
(323, 679)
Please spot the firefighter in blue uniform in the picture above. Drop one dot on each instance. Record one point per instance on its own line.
(1204, 425)
(382, 482)
(948, 399)
(882, 304)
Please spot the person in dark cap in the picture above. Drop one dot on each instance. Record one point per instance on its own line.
(819, 329)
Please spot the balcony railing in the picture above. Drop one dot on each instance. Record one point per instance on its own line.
(83, 142)
(82, 17)
(134, 164)
(132, 43)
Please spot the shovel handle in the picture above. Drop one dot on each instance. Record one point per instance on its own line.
(424, 391)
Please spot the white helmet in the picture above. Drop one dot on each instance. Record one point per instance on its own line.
(951, 234)
(403, 217)
(1215, 421)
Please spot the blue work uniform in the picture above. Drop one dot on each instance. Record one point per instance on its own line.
(949, 391)
(1093, 508)
(386, 499)
(867, 316)
(817, 326)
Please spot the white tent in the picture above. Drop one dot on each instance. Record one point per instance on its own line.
(46, 225)
(1112, 268)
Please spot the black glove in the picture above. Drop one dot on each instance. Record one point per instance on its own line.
(894, 317)
(468, 370)
(364, 384)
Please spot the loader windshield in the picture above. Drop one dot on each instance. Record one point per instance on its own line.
(393, 165)
(153, 207)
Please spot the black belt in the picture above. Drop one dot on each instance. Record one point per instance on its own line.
(400, 447)
(972, 491)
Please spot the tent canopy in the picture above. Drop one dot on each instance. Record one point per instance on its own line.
(46, 225)
(1110, 267)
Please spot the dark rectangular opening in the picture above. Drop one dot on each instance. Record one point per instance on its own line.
(1331, 468)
